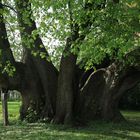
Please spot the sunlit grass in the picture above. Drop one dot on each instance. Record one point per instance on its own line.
(94, 131)
(13, 110)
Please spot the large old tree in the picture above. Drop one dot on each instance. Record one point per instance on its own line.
(94, 59)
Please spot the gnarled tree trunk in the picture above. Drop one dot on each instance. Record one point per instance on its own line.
(65, 90)
(45, 74)
(103, 90)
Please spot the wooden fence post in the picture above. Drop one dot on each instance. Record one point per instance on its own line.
(4, 97)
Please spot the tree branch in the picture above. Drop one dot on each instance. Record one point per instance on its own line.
(4, 42)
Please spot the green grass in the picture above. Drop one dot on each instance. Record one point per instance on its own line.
(94, 131)
(13, 110)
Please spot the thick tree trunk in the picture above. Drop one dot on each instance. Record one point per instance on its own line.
(33, 97)
(67, 98)
(67, 84)
(90, 95)
(65, 90)
(101, 93)
(36, 79)
(47, 73)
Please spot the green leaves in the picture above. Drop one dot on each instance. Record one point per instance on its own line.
(113, 32)
(8, 68)
(114, 28)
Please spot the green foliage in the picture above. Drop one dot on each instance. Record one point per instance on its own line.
(12, 29)
(9, 69)
(114, 28)
(113, 32)
(31, 115)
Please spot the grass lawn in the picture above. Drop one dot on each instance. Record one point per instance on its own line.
(13, 110)
(94, 131)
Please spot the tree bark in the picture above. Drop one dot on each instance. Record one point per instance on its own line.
(65, 91)
(103, 90)
(67, 98)
(45, 70)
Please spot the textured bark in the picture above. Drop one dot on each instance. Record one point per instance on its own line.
(65, 91)
(36, 79)
(101, 93)
(90, 96)
(45, 70)
(67, 97)
(31, 92)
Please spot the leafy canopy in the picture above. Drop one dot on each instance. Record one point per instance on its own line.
(114, 28)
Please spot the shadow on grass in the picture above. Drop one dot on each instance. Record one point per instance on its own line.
(94, 131)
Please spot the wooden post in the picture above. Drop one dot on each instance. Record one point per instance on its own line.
(4, 97)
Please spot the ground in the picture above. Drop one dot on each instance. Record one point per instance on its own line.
(94, 131)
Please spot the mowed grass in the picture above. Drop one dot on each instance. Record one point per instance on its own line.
(94, 131)
(13, 110)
